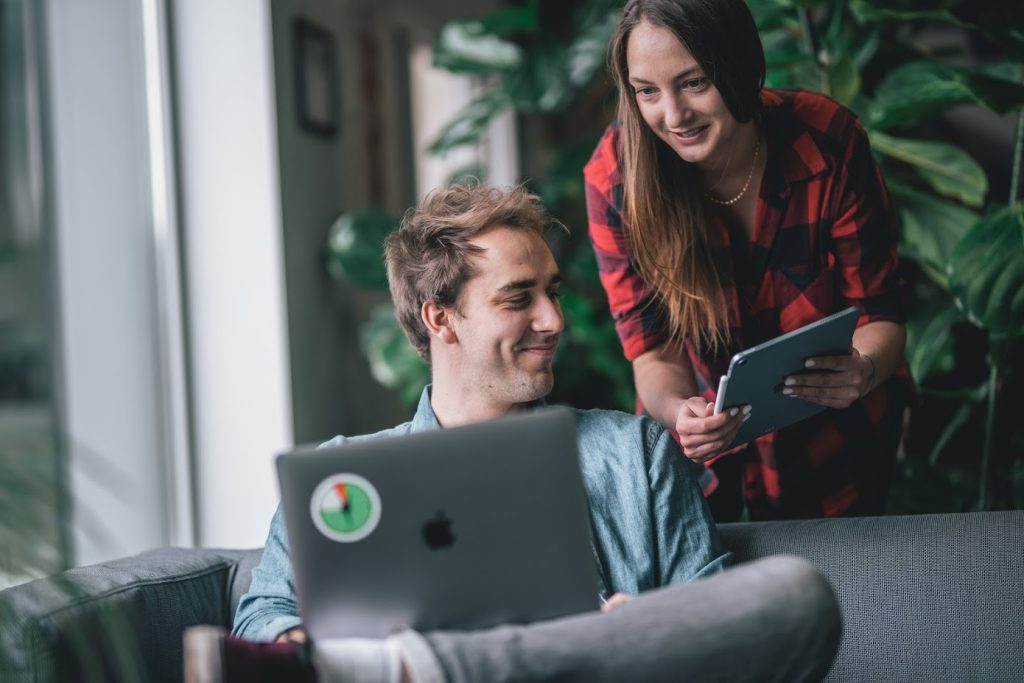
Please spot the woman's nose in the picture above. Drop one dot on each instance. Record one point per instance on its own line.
(675, 112)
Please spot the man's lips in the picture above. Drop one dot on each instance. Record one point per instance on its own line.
(540, 349)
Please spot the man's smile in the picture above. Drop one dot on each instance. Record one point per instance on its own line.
(546, 348)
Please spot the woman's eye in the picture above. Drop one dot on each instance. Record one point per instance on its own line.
(644, 92)
(695, 83)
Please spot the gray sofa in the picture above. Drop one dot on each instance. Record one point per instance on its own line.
(924, 598)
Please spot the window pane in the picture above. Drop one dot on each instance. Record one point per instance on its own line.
(31, 503)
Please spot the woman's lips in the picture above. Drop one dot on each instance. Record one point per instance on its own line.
(690, 135)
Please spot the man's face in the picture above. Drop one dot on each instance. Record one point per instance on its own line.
(509, 320)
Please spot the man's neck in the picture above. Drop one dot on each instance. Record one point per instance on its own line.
(454, 406)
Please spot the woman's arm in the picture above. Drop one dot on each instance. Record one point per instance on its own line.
(876, 354)
(665, 384)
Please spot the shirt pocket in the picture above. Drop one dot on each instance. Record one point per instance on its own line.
(804, 294)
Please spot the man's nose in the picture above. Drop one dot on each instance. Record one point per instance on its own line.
(549, 318)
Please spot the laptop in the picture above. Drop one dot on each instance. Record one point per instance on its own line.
(460, 528)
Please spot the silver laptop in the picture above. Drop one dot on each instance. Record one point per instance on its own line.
(458, 528)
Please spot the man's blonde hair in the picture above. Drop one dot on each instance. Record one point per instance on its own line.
(428, 256)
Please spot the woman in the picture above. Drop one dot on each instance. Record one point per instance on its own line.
(724, 214)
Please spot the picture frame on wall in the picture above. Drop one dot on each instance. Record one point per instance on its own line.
(316, 78)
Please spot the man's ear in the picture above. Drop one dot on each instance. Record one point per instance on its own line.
(438, 320)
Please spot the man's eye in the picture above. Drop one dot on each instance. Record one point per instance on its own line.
(519, 301)
(555, 294)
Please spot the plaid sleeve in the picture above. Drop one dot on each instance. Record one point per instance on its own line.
(638, 319)
(865, 235)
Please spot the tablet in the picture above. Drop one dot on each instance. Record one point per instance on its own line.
(756, 375)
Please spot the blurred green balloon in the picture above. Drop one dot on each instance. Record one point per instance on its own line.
(356, 247)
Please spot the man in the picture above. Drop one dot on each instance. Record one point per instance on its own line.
(475, 288)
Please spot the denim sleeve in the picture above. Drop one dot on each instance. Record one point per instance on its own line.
(269, 608)
(687, 539)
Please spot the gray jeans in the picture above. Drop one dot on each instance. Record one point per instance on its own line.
(776, 619)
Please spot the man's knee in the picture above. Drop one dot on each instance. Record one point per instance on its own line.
(809, 609)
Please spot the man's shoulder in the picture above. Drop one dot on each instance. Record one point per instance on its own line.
(341, 439)
(614, 427)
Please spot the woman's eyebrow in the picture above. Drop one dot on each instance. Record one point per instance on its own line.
(685, 73)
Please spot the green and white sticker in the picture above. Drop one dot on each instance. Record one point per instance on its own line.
(345, 507)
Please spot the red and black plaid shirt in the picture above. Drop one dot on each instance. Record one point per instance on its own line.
(825, 238)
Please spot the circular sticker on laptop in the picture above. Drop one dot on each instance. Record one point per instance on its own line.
(345, 508)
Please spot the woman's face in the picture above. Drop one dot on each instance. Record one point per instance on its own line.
(676, 98)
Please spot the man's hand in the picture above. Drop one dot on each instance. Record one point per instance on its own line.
(294, 635)
(704, 435)
(615, 601)
(842, 380)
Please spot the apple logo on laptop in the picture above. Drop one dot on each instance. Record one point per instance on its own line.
(437, 531)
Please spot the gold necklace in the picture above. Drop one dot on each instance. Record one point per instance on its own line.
(753, 165)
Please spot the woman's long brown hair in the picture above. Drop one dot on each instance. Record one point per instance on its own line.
(664, 214)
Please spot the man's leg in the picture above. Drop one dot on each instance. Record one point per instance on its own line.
(772, 620)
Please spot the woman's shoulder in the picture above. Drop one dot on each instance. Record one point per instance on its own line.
(602, 170)
(811, 110)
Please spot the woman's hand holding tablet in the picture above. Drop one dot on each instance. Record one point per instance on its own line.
(794, 376)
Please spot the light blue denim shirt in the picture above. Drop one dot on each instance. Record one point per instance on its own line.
(651, 525)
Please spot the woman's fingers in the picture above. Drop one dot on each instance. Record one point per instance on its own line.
(835, 381)
(702, 434)
(823, 379)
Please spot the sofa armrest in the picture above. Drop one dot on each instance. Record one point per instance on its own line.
(924, 597)
(120, 620)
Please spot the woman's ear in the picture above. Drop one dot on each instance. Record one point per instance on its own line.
(438, 320)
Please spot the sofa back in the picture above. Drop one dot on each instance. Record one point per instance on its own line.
(923, 598)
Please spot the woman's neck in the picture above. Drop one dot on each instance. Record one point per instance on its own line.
(726, 173)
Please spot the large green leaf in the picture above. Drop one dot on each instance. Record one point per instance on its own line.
(513, 20)
(986, 273)
(470, 123)
(393, 360)
(467, 47)
(844, 80)
(949, 169)
(930, 228)
(356, 247)
(874, 12)
(915, 90)
(930, 339)
(586, 55)
(543, 82)
(919, 89)
(867, 48)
